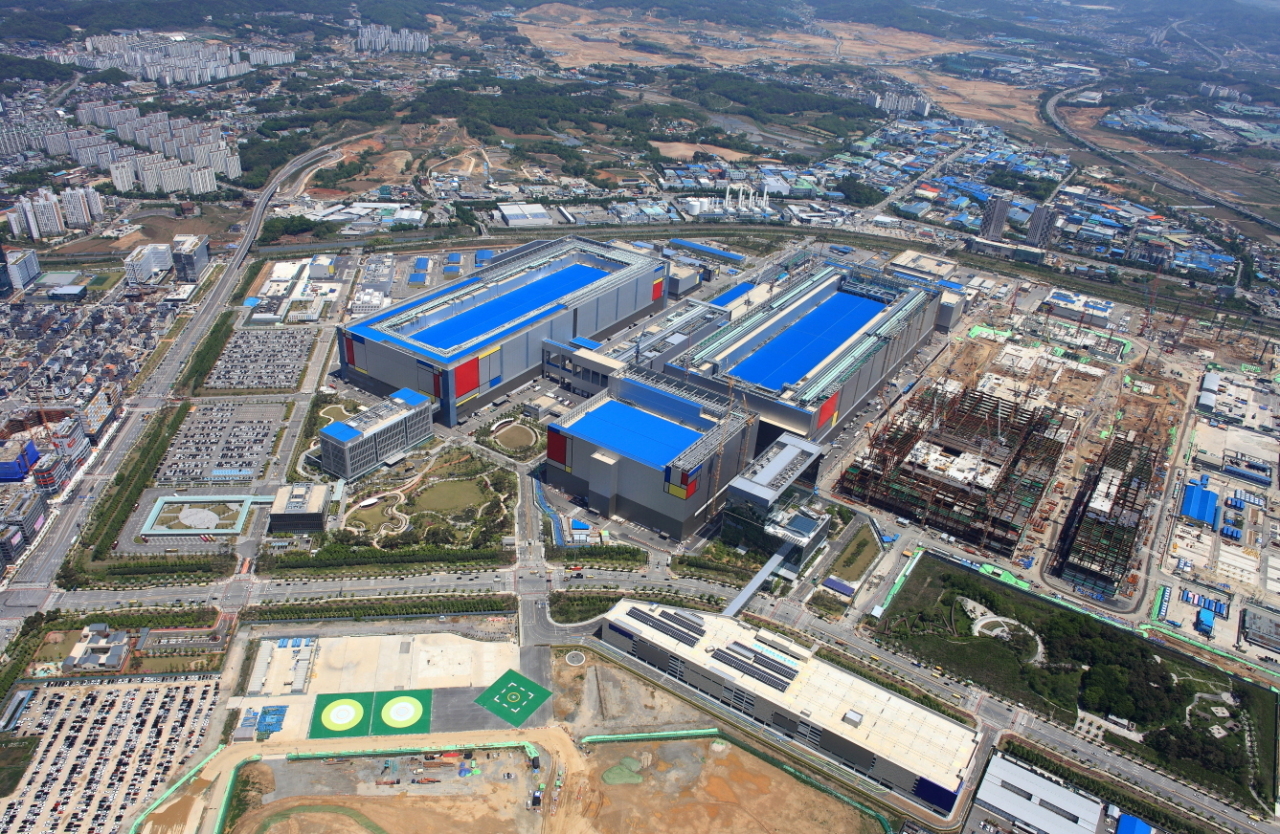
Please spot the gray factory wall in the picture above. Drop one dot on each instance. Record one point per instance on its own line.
(636, 492)
(386, 368)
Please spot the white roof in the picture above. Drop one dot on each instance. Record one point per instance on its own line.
(918, 739)
(1018, 792)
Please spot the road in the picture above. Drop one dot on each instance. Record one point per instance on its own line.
(530, 579)
(40, 566)
(1125, 158)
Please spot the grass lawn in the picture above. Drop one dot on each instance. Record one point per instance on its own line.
(334, 413)
(446, 498)
(106, 280)
(171, 664)
(15, 757)
(57, 646)
(371, 517)
(861, 551)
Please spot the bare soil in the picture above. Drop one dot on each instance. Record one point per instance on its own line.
(686, 150)
(974, 99)
(553, 26)
(701, 787)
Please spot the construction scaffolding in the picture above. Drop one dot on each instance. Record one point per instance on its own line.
(965, 462)
(1097, 549)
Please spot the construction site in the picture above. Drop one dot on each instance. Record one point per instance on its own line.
(966, 462)
(1038, 438)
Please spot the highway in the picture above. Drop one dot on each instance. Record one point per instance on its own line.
(32, 588)
(1125, 158)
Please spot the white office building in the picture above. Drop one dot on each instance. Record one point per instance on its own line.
(24, 267)
(146, 262)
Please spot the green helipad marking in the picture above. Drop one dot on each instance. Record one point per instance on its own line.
(341, 715)
(513, 698)
(402, 713)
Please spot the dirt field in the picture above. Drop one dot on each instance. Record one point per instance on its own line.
(214, 221)
(489, 805)
(972, 99)
(700, 787)
(686, 150)
(1084, 120)
(553, 26)
(599, 697)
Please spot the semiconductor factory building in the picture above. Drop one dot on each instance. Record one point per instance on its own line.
(814, 350)
(481, 337)
(650, 449)
(779, 684)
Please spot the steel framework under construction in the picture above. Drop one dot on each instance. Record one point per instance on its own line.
(1100, 537)
(963, 461)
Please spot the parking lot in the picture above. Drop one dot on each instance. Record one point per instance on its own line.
(106, 750)
(259, 359)
(222, 443)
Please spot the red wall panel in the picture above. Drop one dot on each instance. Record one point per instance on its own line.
(657, 289)
(828, 409)
(557, 447)
(466, 377)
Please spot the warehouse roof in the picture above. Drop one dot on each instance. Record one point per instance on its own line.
(1017, 791)
(522, 301)
(537, 281)
(729, 296)
(1200, 504)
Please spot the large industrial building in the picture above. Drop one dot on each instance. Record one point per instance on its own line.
(482, 337)
(650, 449)
(816, 348)
(779, 684)
(378, 435)
(967, 462)
(1035, 801)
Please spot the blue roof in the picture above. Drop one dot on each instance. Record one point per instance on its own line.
(454, 258)
(417, 278)
(729, 296)
(647, 438)
(803, 345)
(452, 270)
(951, 285)
(492, 314)
(409, 396)
(484, 254)
(838, 586)
(579, 525)
(340, 432)
(707, 250)
(1201, 504)
(421, 263)
(589, 344)
(1132, 825)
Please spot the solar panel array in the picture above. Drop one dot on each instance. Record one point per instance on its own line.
(776, 666)
(687, 623)
(751, 671)
(666, 628)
